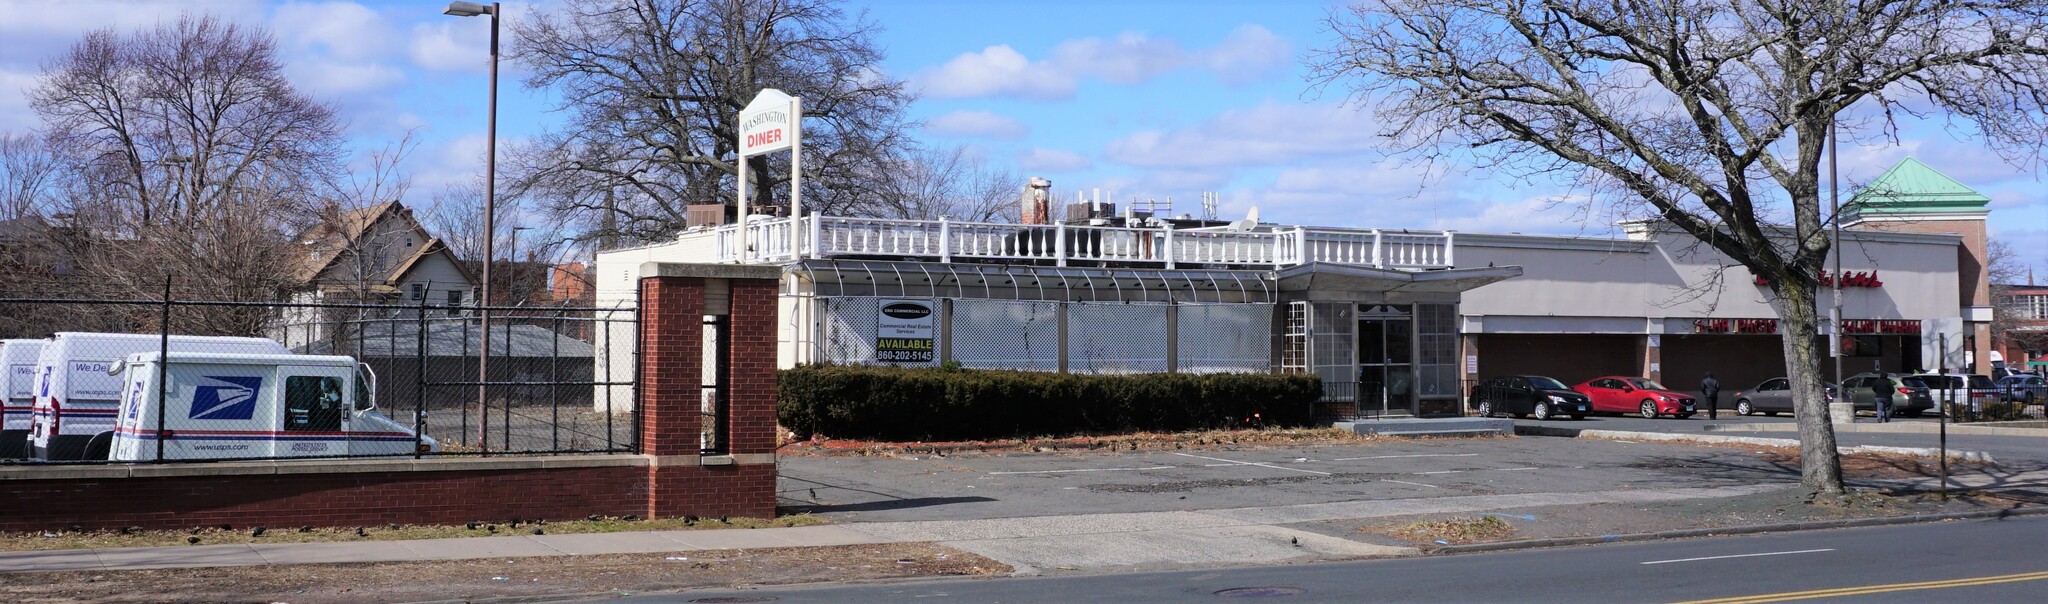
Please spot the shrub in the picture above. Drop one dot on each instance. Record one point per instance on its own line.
(899, 403)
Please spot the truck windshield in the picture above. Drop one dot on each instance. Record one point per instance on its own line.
(365, 400)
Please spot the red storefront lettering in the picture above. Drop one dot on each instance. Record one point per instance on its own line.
(1847, 279)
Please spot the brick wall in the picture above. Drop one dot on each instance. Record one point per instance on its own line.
(324, 499)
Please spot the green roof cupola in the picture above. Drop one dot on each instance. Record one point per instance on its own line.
(1913, 191)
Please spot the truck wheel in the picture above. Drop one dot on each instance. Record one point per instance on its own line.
(100, 447)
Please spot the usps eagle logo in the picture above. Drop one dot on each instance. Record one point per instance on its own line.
(225, 397)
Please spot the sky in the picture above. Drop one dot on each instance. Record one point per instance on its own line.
(1143, 99)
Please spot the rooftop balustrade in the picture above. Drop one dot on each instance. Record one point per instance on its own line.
(783, 240)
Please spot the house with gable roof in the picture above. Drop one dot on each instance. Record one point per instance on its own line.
(378, 254)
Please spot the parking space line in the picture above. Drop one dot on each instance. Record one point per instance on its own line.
(1082, 469)
(1803, 551)
(1253, 463)
(1437, 472)
(1411, 483)
(1413, 455)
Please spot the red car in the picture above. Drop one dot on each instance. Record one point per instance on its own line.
(1644, 396)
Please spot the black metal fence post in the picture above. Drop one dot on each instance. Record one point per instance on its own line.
(554, 382)
(419, 372)
(163, 365)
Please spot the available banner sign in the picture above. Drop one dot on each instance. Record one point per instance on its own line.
(905, 332)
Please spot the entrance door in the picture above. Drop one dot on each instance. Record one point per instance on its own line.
(1386, 359)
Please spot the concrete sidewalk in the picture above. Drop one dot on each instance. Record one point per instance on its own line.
(1251, 535)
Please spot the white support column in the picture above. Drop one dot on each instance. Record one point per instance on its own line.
(796, 174)
(945, 241)
(743, 254)
(1378, 261)
(1059, 252)
(1449, 250)
(1301, 245)
(1167, 242)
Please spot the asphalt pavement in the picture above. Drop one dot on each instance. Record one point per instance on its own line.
(1987, 561)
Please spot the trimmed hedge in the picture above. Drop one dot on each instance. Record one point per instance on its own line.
(901, 404)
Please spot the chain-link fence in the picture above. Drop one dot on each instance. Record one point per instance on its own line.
(95, 380)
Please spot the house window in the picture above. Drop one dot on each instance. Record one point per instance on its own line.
(419, 291)
(454, 302)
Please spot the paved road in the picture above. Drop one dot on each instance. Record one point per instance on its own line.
(2024, 452)
(1980, 561)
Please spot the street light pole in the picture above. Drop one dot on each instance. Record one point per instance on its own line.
(483, 353)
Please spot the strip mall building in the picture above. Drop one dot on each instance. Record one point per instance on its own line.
(1395, 322)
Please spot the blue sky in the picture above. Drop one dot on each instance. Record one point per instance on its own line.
(1149, 99)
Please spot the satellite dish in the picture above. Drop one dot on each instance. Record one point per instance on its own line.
(1252, 215)
(1245, 225)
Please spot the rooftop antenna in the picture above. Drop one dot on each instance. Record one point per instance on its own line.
(1209, 205)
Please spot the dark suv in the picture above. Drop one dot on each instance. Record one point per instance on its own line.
(1911, 396)
(1528, 395)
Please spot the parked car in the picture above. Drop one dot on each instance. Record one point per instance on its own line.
(1960, 389)
(1771, 397)
(1528, 395)
(1911, 400)
(1643, 396)
(2023, 387)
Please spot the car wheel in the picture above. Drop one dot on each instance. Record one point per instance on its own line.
(1742, 407)
(1542, 411)
(1648, 410)
(1485, 409)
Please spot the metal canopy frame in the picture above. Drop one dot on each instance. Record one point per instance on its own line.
(831, 278)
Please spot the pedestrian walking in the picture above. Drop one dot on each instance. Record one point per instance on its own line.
(1711, 388)
(1881, 397)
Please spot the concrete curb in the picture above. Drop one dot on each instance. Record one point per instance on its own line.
(1735, 530)
(1927, 452)
(1969, 429)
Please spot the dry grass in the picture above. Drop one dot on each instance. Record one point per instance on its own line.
(217, 535)
(1269, 437)
(1453, 531)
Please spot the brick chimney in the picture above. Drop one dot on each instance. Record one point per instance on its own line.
(1037, 198)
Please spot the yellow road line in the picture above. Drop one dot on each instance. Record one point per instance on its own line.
(1874, 589)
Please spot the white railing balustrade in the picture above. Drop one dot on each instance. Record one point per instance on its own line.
(774, 240)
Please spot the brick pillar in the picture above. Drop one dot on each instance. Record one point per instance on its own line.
(680, 480)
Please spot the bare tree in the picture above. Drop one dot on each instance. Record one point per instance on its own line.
(28, 175)
(193, 156)
(2007, 270)
(652, 89)
(925, 184)
(1710, 114)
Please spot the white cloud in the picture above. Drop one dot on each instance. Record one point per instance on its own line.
(451, 45)
(1052, 160)
(996, 71)
(981, 124)
(1545, 215)
(1131, 58)
(1271, 133)
(35, 30)
(337, 48)
(15, 114)
(1248, 53)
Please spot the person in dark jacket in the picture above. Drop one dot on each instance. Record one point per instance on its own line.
(1881, 397)
(1711, 388)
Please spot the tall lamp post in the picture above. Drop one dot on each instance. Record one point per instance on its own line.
(483, 353)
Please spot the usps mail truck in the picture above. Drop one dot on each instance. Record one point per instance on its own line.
(76, 394)
(17, 401)
(230, 406)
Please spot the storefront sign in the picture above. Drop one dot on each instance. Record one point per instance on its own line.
(904, 334)
(1764, 326)
(767, 124)
(1848, 279)
(1882, 326)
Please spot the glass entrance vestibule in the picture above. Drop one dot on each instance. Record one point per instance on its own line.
(1375, 359)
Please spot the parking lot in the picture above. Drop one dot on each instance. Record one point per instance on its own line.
(929, 487)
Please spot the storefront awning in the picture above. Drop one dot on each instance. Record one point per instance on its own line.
(1325, 277)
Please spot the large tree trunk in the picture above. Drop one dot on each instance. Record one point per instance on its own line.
(1820, 466)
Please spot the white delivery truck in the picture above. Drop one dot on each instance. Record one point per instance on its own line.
(18, 400)
(76, 398)
(228, 406)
